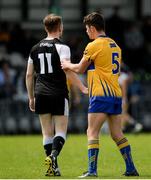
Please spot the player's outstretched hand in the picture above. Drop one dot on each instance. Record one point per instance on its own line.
(65, 65)
(84, 90)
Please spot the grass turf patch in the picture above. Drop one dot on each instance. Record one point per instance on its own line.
(22, 157)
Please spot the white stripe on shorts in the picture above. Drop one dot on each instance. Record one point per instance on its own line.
(66, 108)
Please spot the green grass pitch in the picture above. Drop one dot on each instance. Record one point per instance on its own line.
(22, 157)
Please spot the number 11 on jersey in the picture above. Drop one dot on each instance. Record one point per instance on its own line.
(42, 57)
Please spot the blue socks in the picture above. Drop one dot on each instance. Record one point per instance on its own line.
(125, 150)
(93, 150)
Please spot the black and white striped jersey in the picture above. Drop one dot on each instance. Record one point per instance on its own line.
(46, 56)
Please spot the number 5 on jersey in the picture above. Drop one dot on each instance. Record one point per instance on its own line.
(115, 62)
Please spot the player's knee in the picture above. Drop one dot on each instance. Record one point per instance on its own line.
(91, 134)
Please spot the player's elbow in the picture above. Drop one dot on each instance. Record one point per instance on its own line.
(29, 76)
(77, 71)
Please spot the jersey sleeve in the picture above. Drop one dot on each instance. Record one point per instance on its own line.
(64, 52)
(91, 52)
(30, 58)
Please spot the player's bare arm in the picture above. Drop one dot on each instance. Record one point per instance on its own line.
(30, 85)
(78, 68)
(73, 77)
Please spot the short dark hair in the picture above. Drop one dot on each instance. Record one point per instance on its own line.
(52, 22)
(95, 19)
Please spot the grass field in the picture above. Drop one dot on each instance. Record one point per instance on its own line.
(22, 157)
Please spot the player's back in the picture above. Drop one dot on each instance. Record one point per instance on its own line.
(106, 59)
(50, 78)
